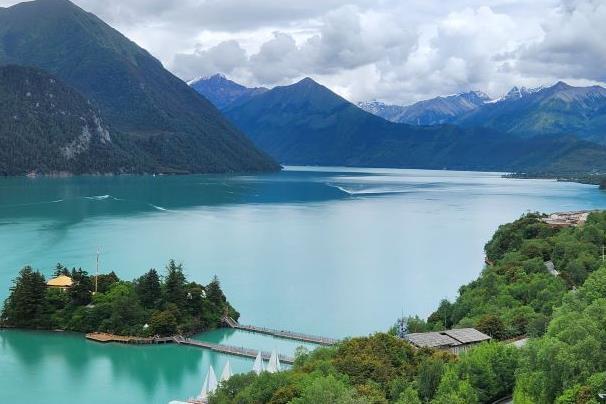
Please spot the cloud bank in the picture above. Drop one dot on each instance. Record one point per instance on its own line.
(389, 50)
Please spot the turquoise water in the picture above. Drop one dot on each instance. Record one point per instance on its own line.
(334, 252)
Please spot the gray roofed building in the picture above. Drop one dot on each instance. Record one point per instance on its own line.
(431, 340)
(456, 340)
(467, 335)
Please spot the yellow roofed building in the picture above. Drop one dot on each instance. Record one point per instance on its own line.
(62, 282)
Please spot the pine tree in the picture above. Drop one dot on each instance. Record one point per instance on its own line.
(26, 301)
(149, 290)
(174, 285)
(82, 288)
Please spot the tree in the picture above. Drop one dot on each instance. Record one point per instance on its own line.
(26, 300)
(443, 315)
(127, 315)
(61, 270)
(328, 390)
(82, 287)
(163, 323)
(409, 396)
(452, 390)
(428, 377)
(214, 294)
(105, 281)
(490, 369)
(174, 285)
(149, 289)
(493, 326)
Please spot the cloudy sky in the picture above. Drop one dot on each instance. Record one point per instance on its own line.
(397, 51)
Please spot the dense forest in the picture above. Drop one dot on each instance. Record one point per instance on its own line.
(380, 369)
(149, 305)
(516, 296)
(50, 128)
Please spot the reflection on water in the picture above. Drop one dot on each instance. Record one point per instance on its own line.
(64, 363)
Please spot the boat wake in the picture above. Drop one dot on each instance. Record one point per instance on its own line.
(102, 198)
(370, 191)
(160, 208)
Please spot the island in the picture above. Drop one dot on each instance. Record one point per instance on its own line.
(149, 306)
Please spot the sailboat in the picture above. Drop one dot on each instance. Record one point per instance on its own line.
(258, 365)
(209, 386)
(274, 363)
(226, 374)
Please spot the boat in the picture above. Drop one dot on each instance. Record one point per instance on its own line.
(226, 374)
(208, 387)
(274, 363)
(258, 365)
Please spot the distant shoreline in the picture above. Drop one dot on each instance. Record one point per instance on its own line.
(587, 179)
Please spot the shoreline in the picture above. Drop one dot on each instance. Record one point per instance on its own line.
(586, 179)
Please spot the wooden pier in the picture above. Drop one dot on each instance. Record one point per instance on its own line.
(226, 349)
(105, 338)
(312, 339)
(231, 350)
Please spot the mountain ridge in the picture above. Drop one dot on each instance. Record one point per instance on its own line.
(51, 129)
(306, 123)
(223, 92)
(558, 109)
(178, 129)
(555, 110)
(435, 111)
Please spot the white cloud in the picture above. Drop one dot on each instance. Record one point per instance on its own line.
(573, 46)
(393, 50)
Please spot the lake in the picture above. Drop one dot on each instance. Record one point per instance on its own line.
(329, 251)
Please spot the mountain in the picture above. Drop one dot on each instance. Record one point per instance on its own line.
(175, 128)
(306, 123)
(435, 111)
(559, 109)
(386, 111)
(50, 128)
(223, 92)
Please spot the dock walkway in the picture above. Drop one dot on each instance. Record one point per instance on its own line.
(231, 350)
(105, 338)
(313, 339)
(226, 349)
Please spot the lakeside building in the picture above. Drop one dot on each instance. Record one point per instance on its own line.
(456, 340)
(567, 219)
(62, 282)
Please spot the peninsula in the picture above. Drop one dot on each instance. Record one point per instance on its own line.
(151, 305)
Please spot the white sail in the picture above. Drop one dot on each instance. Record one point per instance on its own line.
(204, 393)
(212, 381)
(226, 374)
(278, 365)
(258, 366)
(274, 363)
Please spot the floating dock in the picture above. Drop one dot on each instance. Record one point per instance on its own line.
(226, 349)
(231, 350)
(105, 338)
(296, 336)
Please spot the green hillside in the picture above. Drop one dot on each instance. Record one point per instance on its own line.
(51, 129)
(179, 129)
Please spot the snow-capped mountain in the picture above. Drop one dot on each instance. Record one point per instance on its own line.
(556, 109)
(435, 111)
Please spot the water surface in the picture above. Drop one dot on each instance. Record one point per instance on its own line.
(335, 252)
